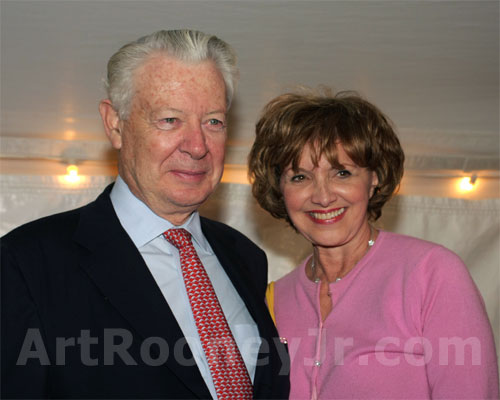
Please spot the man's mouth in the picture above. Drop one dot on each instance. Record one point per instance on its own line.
(189, 174)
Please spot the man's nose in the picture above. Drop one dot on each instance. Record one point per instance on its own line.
(194, 142)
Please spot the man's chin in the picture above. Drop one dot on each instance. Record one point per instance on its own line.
(186, 200)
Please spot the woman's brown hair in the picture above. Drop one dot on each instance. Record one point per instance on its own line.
(292, 121)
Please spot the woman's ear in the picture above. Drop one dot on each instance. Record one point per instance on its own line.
(112, 123)
(374, 184)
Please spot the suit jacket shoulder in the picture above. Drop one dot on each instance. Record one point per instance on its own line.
(56, 226)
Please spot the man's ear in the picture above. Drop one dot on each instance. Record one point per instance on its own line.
(112, 123)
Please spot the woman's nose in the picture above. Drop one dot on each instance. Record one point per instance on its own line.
(323, 193)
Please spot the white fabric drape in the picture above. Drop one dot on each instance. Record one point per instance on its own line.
(469, 228)
(24, 198)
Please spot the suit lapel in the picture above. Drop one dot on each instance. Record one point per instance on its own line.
(224, 248)
(117, 268)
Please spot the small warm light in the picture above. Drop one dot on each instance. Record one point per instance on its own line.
(69, 134)
(72, 174)
(467, 184)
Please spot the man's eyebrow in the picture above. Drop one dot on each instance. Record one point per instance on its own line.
(222, 111)
(168, 109)
(217, 112)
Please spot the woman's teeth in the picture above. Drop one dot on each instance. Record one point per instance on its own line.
(329, 215)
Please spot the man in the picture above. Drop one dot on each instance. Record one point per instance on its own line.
(101, 302)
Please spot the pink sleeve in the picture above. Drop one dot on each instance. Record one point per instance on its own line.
(460, 351)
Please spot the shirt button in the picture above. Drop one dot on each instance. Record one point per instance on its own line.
(317, 363)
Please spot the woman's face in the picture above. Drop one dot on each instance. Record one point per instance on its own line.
(328, 206)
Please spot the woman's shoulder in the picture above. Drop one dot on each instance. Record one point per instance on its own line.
(406, 245)
(421, 256)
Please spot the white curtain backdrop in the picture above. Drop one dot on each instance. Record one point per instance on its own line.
(471, 228)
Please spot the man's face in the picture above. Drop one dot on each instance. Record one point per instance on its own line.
(172, 144)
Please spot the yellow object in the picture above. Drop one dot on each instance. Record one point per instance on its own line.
(72, 170)
(72, 174)
(270, 300)
(467, 184)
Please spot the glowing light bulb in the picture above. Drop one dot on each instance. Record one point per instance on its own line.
(467, 184)
(72, 174)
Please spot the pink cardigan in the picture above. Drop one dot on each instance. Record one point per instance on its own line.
(407, 323)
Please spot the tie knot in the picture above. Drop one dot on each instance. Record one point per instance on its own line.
(178, 237)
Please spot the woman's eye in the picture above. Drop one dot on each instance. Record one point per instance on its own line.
(297, 178)
(343, 173)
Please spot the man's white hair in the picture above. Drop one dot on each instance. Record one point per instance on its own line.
(185, 45)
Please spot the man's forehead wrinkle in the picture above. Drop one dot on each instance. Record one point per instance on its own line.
(161, 80)
(150, 96)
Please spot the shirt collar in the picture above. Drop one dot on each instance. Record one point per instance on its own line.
(143, 225)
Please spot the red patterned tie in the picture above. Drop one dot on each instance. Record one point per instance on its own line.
(228, 370)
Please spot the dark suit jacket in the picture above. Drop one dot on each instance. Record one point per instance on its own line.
(84, 318)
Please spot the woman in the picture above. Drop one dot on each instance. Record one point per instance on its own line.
(369, 314)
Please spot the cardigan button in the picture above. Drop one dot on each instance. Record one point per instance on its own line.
(317, 363)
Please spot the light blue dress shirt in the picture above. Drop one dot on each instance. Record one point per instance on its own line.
(145, 228)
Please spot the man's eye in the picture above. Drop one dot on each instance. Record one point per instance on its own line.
(167, 123)
(215, 124)
(168, 120)
(343, 173)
